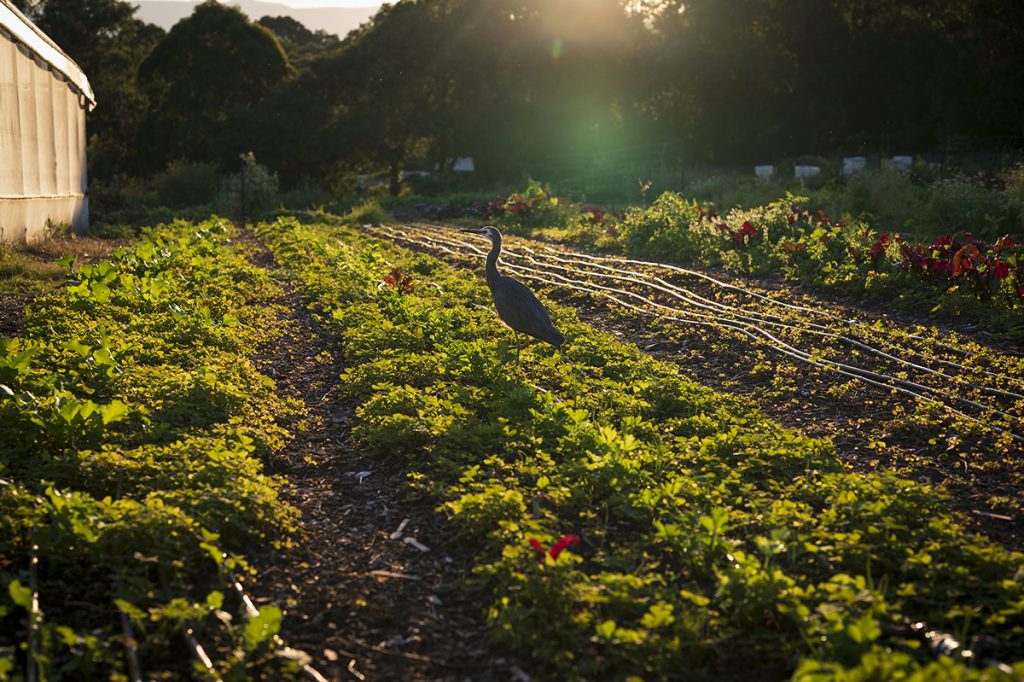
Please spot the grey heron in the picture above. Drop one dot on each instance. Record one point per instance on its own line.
(517, 306)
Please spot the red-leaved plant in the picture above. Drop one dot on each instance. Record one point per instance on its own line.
(556, 549)
(400, 281)
(741, 237)
(963, 257)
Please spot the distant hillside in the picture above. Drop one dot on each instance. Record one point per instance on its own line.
(338, 20)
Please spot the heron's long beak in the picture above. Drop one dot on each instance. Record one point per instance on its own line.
(474, 230)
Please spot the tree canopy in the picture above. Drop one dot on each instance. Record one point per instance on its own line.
(209, 64)
(299, 43)
(524, 85)
(546, 86)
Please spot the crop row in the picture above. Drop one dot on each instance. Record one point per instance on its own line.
(132, 426)
(641, 286)
(629, 521)
(955, 275)
(948, 402)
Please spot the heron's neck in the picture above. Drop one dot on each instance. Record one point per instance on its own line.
(492, 260)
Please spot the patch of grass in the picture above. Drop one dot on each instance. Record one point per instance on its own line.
(22, 274)
(368, 213)
(30, 270)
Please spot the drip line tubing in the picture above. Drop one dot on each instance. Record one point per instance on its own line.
(810, 325)
(746, 325)
(755, 318)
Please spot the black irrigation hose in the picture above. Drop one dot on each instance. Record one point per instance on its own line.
(35, 616)
(718, 283)
(252, 612)
(131, 649)
(196, 649)
(684, 271)
(130, 641)
(754, 318)
(746, 324)
(848, 370)
(938, 644)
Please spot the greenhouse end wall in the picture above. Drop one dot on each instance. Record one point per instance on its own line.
(42, 146)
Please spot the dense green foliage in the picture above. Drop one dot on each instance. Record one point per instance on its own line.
(131, 429)
(802, 76)
(712, 539)
(299, 43)
(208, 65)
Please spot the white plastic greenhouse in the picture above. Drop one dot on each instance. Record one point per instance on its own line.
(44, 97)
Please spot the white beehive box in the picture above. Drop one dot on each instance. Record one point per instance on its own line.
(806, 172)
(902, 163)
(854, 164)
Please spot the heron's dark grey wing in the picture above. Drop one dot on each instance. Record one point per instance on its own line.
(519, 308)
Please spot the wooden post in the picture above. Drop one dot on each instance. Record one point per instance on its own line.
(241, 193)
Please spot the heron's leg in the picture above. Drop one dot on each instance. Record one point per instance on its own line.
(517, 346)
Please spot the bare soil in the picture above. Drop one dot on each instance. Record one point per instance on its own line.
(12, 314)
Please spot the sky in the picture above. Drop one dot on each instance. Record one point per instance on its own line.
(328, 3)
(319, 3)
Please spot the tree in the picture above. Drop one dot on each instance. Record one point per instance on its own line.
(299, 43)
(209, 64)
(388, 87)
(505, 81)
(750, 79)
(292, 129)
(542, 83)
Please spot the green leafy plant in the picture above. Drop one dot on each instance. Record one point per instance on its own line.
(787, 237)
(710, 538)
(132, 424)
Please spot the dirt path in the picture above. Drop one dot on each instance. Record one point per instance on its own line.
(772, 351)
(12, 314)
(373, 586)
